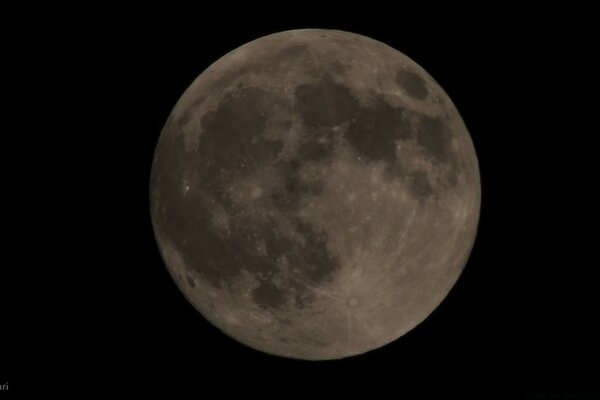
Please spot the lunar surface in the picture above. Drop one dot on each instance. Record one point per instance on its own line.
(315, 194)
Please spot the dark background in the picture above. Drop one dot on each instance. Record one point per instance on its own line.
(95, 308)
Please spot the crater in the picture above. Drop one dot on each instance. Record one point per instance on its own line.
(190, 281)
(412, 83)
(256, 192)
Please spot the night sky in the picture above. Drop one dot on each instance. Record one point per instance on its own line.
(94, 308)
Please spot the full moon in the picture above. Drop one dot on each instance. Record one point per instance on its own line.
(315, 194)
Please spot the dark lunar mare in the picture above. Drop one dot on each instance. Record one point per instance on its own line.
(231, 148)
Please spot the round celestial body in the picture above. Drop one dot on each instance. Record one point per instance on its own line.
(315, 194)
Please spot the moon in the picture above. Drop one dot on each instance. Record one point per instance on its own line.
(315, 194)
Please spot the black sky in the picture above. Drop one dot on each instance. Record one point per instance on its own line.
(103, 312)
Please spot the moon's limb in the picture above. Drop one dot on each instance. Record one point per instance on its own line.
(315, 194)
